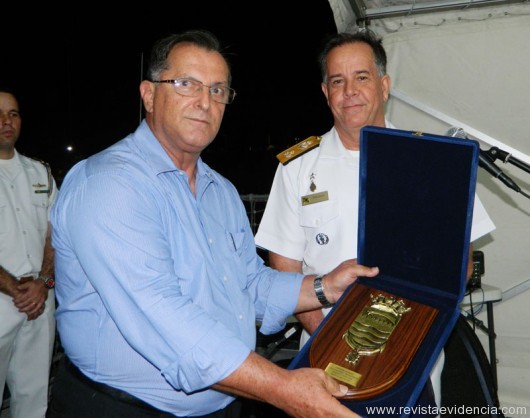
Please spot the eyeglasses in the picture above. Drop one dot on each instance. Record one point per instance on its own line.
(190, 87)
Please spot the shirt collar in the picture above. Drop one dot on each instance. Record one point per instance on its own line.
(332, 146)
(157, 157)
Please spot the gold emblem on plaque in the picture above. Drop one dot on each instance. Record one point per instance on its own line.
(370, 331)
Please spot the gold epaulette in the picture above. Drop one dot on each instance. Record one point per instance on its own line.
(299, 149)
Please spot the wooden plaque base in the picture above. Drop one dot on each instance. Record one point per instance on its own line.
(372, 374)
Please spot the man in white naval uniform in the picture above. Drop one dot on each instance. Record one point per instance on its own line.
(27, 303)
(311, 217)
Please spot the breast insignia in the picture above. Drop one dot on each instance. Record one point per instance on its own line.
(39, 185)
(285, 157)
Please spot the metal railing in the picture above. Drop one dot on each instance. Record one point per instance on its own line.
(255, 204)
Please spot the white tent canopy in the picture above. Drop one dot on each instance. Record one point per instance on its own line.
(469, 67)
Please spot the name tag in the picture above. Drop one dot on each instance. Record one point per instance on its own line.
(314, 198)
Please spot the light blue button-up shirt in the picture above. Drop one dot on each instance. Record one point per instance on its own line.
(158, 290)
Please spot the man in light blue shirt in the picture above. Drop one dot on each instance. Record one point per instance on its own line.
(158, 282)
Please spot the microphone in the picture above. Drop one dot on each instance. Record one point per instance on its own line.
(485, 161)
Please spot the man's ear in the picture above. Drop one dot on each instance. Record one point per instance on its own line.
(387, 82)
(324, 87)
(147, 92)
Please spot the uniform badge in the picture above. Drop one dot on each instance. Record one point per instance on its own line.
(309, 199)
(40, 186)
(312, 186)
(321, 239)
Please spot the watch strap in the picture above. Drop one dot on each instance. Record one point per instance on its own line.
(48, 281)
(319, 292)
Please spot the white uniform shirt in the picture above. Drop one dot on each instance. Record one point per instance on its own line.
(24, 208)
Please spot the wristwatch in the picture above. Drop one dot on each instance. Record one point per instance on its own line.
(49, 281)
(319, 291)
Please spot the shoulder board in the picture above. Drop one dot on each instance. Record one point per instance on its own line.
(285, 157)
(44, 163)
(34, 158)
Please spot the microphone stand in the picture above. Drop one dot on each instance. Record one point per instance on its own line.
(506, 157)
(477, 322)
(496, 153)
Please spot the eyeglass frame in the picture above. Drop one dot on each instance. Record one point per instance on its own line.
(231, 92)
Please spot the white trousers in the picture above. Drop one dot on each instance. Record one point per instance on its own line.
(26, 349)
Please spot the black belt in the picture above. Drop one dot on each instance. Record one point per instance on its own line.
(117, 394)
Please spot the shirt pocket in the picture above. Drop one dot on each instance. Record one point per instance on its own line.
(235, 257)
(318, 214)
(3, 216)
(40, 206)
(235, 241)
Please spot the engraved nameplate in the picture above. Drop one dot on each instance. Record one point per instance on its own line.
(314, 198)
(343, 374)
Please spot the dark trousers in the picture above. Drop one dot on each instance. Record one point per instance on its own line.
(76, 396)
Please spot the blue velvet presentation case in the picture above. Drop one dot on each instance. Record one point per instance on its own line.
(416, 197)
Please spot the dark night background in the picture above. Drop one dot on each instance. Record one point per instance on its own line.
(77, 73)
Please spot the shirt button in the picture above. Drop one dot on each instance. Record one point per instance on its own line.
(240, 316)
(225, 279)
(210, 241)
